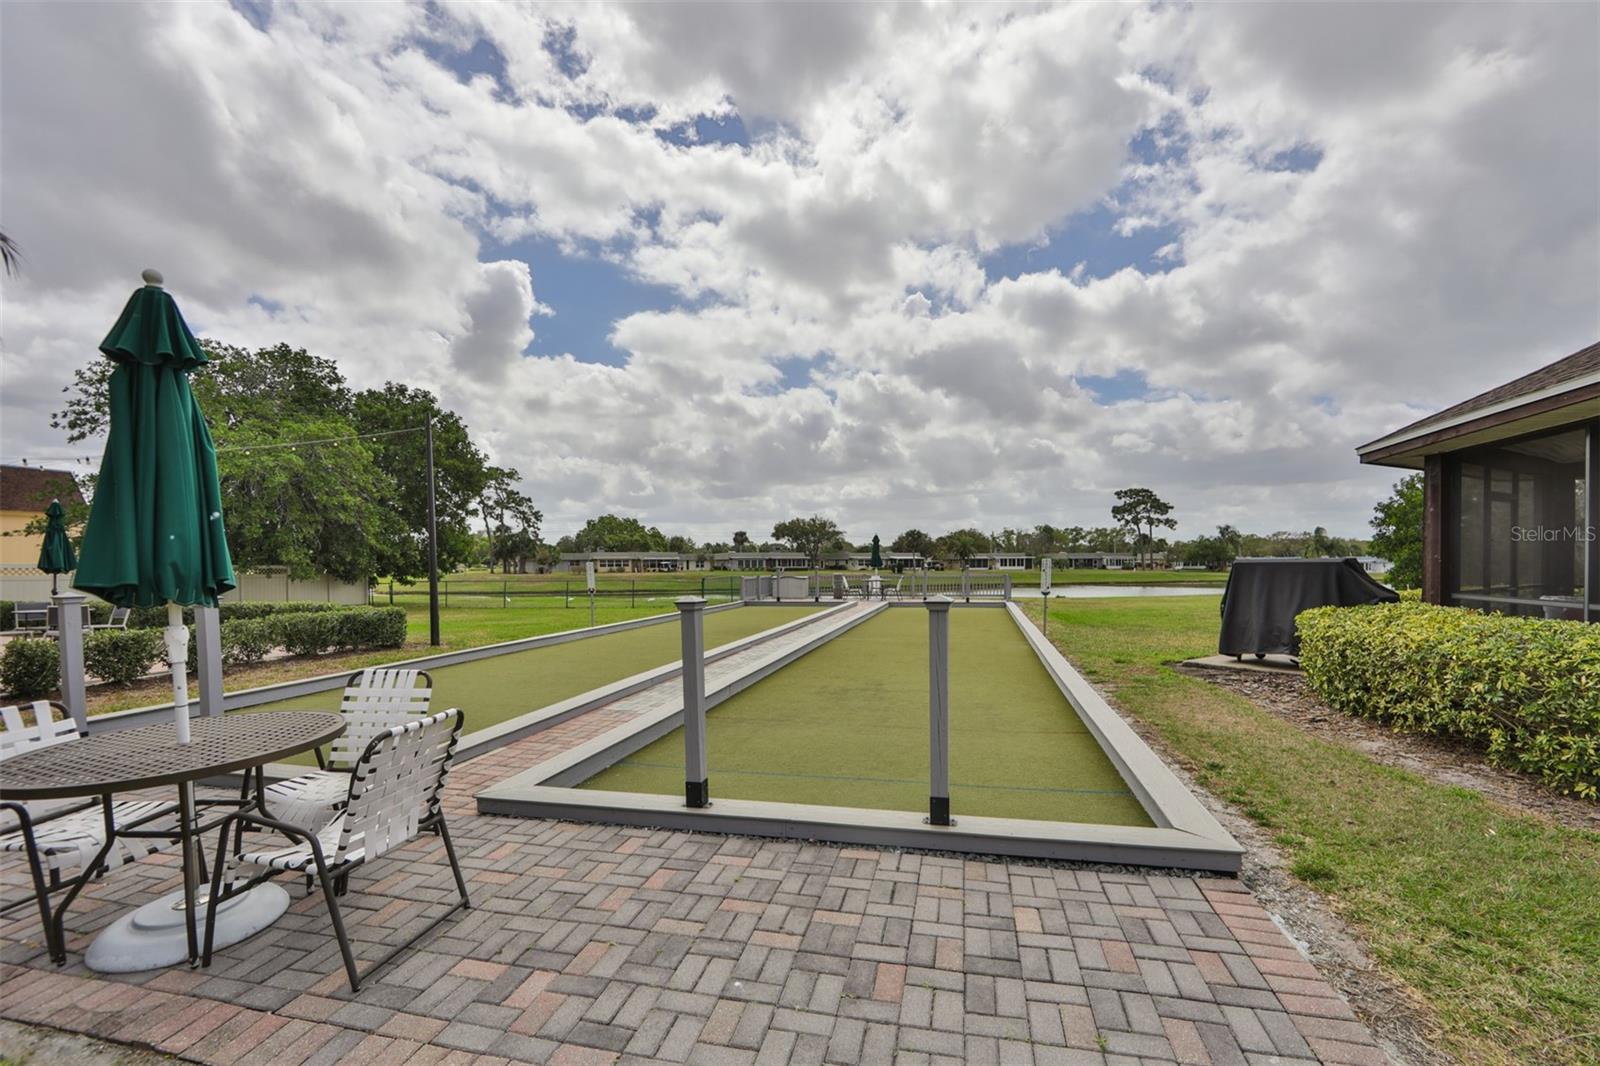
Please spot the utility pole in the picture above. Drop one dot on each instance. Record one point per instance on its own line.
(433, 547)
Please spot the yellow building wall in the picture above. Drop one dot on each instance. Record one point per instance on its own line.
(15, 547)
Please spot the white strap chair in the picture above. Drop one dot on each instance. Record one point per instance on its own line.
(395, 793)
(374, 700)
(57, 836)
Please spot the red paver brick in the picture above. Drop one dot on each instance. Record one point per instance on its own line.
(767, 938)
(1288, 968)
(1027, 920)
(1186, 1042)
(587, 959)
(1320, 1006)
(1211, 967)
(525, 993)
(579, 1055)
(544, 1004)
(479, 970)
(1339, 1053)
(197, 1030)
(1119, 956)
(890, 984)
(311, 1008)
(405, 1026)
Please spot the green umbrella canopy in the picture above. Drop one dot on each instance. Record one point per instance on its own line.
(877, 553)
(155, 527)
(56, 555)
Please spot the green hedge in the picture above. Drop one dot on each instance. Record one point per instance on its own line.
(156, 617)
(355, 628)
(30, 667)
(1525, 689)
(122, 656)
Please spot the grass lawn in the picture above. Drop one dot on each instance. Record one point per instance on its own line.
(847, 726)
(490, 691)
(1490, 915)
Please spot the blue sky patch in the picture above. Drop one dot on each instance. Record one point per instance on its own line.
(1123, 385)
(1089, 237)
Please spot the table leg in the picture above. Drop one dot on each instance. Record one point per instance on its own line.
(186, 819)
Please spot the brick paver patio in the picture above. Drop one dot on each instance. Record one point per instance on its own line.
(596, 944)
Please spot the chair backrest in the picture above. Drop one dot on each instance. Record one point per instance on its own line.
(375, 699)
(31, 615)
(119, 618)
(17, 737)
(398, 781)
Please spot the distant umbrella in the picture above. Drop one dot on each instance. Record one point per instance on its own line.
(56, 556)
(877, 553)
(155, 530)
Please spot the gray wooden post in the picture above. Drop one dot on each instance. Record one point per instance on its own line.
(696, 786)
(1008, 587)
(939, 711)
(966, 584)
(208, 632)
(69, 639)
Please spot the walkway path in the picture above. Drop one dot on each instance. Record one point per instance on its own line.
(596, 944)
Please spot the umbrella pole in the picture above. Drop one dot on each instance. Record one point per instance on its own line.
(178, 655)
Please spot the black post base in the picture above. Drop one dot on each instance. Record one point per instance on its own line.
(938, 810)
(697, 793)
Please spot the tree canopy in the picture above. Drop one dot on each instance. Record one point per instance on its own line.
(353, 508)
(1141, 510)
(614, 533)
(810, 536)
(1397, 532)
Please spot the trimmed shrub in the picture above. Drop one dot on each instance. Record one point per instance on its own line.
(122, 656)
(8, 614)
(372, 627)
(30, 667)
(311, 633)
(156, 617)
(1527, 690)
(248, 641)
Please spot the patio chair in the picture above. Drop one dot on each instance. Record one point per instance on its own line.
(118, 620)
(31, 615)
(395, 793)
(57, 836)
(374, 700)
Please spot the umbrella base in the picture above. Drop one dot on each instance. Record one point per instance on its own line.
(153, 936)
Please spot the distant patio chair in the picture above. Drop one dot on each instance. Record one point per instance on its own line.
(374, 700)
(31, 616)
(118, 620)
(395, 793)
(61, 835)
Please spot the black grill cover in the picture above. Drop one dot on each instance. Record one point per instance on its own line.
(1264, 595)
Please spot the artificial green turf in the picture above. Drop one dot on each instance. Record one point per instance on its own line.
(847, 726)
(490, 691)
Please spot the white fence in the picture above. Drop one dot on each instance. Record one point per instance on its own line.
(18, 582)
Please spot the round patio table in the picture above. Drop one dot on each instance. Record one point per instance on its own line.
(150, 757)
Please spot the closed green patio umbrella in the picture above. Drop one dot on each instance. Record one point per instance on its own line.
(56, 556)
(155, 532)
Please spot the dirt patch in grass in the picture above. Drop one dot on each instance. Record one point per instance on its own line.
(1440, 759)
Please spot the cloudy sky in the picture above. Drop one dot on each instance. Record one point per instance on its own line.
(906, 265)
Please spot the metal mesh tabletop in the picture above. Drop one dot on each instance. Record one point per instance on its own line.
(150, 755)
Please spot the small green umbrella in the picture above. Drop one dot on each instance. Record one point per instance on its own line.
(877, 553)
(56, 556)
(155, 531)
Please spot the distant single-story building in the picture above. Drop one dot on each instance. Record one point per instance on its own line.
(773, 560)
(630, 562)
(1511, 499)
(863, 560)
(1095, 560)
(1000, 561)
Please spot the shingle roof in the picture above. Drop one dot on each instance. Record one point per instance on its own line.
(1579, 364)
(31, 488)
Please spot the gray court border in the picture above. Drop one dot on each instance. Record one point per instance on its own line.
(1185, 835)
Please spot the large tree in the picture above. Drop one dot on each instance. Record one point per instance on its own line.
(1141, 510)
(913, 540)
(460, 473)
(810, 536)
(741, 540)
(962, 544)
(510, 520)
(1397, 532)
(615, 533)
(347, 507)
